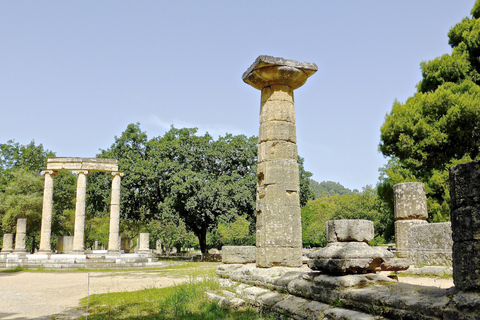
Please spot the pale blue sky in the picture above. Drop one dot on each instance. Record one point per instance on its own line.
(73, 74)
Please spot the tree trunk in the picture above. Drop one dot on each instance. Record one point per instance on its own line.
(202, 240)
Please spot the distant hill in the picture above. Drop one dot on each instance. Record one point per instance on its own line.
(328, 189)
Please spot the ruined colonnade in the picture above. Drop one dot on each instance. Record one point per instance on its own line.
(81, 167)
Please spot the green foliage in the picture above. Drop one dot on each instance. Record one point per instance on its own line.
(306, 191)
(172, 233)
(236, 233)
(328, 189)
(440, 125)
(365, 205)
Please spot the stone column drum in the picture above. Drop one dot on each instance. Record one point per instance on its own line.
(410, 210)
(465, 219)
(144, 245)
(279, 229)
(7, 243)
(46, 228)
(21, 235)
(79, 232)
(113, 239)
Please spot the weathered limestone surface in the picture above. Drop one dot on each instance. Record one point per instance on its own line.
(126, 244)
(79, 232)
(113, 243)
(410, 209)
(465, 218)
(430, 244)
(402, 228)
(87, 164)
(374, 294)
(410, 201)
(279, 230)
(349, 230)
(144, 243)
(64, 244)
(7, 243)
(21, 235)
(238, 254)
(46, 228)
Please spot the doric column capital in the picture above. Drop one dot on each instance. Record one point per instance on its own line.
(268, 71)
(117, 173)
(49, 172)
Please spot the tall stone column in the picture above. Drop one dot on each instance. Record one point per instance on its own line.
(113, 239)
(79, 232)
(7, 243)
(279, 225)
(465, 218)
(46, 231)
(21, 235)
(410, 210)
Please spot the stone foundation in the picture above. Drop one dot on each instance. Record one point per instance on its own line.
(238, 254)
(367, 296)
(65, 244)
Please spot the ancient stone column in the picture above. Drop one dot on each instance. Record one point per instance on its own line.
(279, 229)
(410, 210)
(113, 239)
(79, 232)
(465, 218)
(144, 245)
(21, 235)
(7, 243)
(46, 228)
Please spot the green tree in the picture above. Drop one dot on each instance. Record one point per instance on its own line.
(306, 191)
(328, 189)
(440, 125)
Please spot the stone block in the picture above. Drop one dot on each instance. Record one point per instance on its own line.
(401, 235)
(64, 244)
(349, 230)
(280, 194)
(126, 244)
(238, 254)
(277, 131)
(410, 201)
(7, 243)
(466, 223)
(466, 262)
(465, 185)
(277, 110)
(430, 244)
(276, 150)
(74, 163)
(283, 171)
(276, 256)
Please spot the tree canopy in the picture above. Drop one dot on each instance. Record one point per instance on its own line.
(439, 126)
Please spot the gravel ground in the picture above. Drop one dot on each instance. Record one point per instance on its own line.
(34, 295)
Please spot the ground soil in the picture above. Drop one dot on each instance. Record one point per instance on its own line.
(35, 295)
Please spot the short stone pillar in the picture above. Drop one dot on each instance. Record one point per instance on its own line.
(126, 244)
(64, 244)
(46, 228)
(113, 244)
(144, 245)
(158, 245)
(79, 232)
(410, 210)
(465, 219)
(279, 225)
(7, 243)
(21, 235)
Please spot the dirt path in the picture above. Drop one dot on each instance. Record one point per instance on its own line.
(34, 295)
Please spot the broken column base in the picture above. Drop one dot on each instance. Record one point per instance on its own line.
(354, 257)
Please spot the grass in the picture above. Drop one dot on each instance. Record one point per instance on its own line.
(186, 301)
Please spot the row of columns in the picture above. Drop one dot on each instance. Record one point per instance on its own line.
(79, 231)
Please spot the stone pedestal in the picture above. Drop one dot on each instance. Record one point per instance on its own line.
(21, 235)
(7, 243)
(64, 244)
(279, 229)
(79, 232)
(239, 254)
(465, 219)
(126, 244)
(113, 244)
(46, 231)
(430, 244)
(158, 245)
(144, 243)
(410, 209)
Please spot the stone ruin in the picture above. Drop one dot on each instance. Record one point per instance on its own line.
(341, 282)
